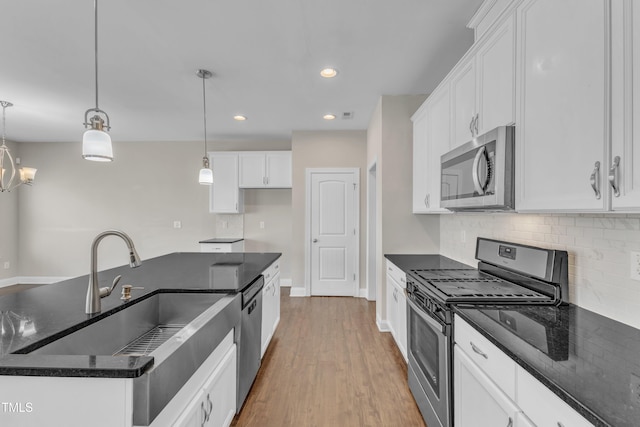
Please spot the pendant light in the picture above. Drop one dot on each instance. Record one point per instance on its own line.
(96, 142)
(27, 175)
(206, 174)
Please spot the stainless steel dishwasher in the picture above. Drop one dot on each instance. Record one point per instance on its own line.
(250, 330)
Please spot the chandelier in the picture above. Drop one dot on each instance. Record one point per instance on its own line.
(8, 165)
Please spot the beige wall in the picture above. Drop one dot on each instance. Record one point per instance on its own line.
(324, 149)
(147, 187)
(9, 225)
(390, 145)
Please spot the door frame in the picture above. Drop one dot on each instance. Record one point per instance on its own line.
(307, 225)
(371, 259)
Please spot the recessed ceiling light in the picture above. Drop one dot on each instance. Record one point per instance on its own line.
(329, 73)
(240, 118)
(329, 116)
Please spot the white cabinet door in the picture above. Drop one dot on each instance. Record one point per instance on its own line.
(401, 321)
(278, 169)
(496, 72)
(625, 128)
(438, 143)
(265, 331)
(265, 169)
(478, 402)
(220, 392)
(463, 102)
(420, 160)
(391, 306)
(431, 139)
(276, 302)
(562, 106)
(252, 170)
(225, 196)
(194, 415)
(523, 421)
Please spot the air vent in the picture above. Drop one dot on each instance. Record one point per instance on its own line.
(347, 115)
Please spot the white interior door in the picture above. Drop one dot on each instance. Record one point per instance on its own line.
(334, 232)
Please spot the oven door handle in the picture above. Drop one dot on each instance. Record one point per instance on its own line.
(424, 316)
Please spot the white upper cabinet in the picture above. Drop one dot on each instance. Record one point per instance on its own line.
(483, 85)
(562, 108)
(496, 74)
(625, 127)
(265, 169)
(431, 138)
(225, 196)
(463, 102)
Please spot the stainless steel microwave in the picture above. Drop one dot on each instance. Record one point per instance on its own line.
(479, 175)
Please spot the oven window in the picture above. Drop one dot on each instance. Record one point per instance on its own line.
(424, 345)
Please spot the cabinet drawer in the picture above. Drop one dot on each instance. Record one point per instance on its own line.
(542, 406)
(398, 275)
(271, 271)
(215, 247)
(495, 363)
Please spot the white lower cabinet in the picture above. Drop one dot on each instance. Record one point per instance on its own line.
(479, 402)
(270, 305)
(222, 247)
(542, 406)
(492, 391)
(215, 403)
(397, 306)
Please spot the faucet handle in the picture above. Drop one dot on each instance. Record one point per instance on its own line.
(106, 291)
(126, 292)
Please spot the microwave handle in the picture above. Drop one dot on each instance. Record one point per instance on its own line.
(480, 188)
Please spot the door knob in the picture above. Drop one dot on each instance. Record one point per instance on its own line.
(315, 240)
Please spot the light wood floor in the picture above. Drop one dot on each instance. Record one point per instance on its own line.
(328, 365)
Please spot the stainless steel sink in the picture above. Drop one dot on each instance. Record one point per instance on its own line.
(179, 330)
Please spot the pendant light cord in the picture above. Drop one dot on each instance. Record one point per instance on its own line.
(204, 101)
(95, 6)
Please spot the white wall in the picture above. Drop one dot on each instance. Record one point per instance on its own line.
(599, 249)
(143, 191)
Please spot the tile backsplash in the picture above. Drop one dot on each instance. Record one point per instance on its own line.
(599, 248)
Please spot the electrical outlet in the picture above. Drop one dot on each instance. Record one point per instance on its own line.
(7, 265)
(634, 262)
(463, 236)
(224, 224)
(635, 388)
(261, 224)
(177, 224)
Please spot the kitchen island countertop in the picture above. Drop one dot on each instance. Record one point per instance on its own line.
(52, 311)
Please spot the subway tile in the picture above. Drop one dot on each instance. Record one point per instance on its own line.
(627, 223)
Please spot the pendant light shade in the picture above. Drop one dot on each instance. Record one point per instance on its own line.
(205, 177)
(96, 146)
(96, 142)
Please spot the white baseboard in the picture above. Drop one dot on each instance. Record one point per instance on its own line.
(31, 280)
(382, 325)
(362, 293)
(285, 283)
(298, 291)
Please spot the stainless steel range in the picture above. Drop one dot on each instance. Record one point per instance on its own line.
(507, 274)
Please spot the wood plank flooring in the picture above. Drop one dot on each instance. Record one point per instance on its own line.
(328, 365)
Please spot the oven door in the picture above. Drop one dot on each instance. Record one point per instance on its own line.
(428, 354)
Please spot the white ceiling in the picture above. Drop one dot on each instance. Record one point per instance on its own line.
(265, 56)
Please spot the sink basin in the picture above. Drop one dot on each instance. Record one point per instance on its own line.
(179, 330)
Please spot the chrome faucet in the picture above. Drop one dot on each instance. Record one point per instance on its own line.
(95, 293)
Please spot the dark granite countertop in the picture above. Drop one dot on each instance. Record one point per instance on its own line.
(222, 240)
(427, 262)
(49, 312)
(588, 360)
